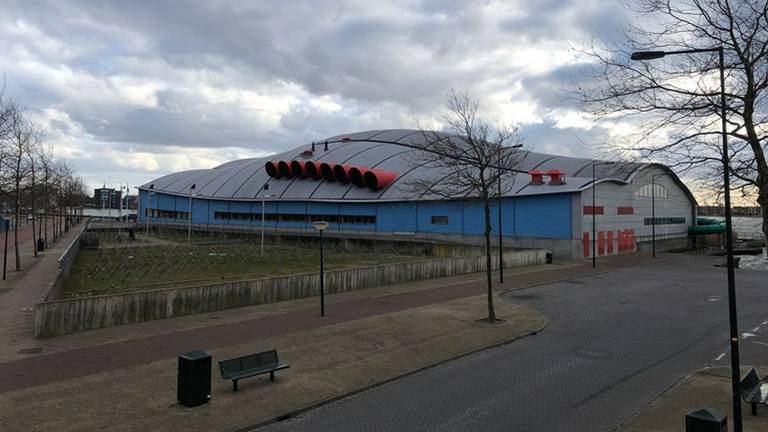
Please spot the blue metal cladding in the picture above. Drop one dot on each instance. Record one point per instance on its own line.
(396, 217)
(544, 216)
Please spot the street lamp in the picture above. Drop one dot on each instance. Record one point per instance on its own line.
(149, 206)
(189, 223)
(321, 226)
(735, 372)
(594, 210)
(263, 205)
(501, 235)
(653, 214)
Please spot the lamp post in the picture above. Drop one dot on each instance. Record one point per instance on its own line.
(149, 207)
(653, 214)
(189, 217)
(263, 205)
(732, 316)
(501, 232)
(321, 226)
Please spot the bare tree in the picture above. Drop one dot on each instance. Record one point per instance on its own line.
(473, 157)
(676, 99)
(46, 157)
(22, 131)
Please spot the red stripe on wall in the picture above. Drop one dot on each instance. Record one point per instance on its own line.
(625, 210)
(589, 209)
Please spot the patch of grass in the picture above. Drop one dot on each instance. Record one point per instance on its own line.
(128, 267)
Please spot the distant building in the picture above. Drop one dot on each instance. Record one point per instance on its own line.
(735, 211)
(107, 198)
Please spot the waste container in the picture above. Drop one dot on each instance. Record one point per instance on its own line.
(706, 420)
(40, 245)
(194, 379)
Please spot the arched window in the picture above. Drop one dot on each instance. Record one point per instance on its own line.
(646, 191)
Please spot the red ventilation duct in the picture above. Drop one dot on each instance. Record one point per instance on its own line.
(326, 171)
(376, 179)
(271, 168)
(341, 173)
(312, 169)
(298, 169)
(356, 175)
(284, 169)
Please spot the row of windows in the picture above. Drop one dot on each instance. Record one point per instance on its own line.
(167, 214)
(665, 221)
(286, 217)
(647, 191)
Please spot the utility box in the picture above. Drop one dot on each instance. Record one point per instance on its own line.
(706, 420)
(194, 379)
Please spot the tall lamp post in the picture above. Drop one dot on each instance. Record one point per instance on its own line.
(263, 208)
(149, 206)
(321, 226)
(734, 330)
(189, 217)
(653, 214)
(501, 232)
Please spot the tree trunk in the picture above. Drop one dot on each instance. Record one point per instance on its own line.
(762, 200)
(34, 213)
(17, 224)
(488, 260)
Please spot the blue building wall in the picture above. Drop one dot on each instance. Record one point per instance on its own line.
(543, 216)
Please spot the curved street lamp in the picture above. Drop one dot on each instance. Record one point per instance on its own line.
(733, 319)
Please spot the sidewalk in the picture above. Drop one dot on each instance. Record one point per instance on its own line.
(709, 388)
(22, 290)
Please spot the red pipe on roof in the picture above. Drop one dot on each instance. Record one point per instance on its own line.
(326, 171)
(377, 179)
(312, 169)
(356, 175)
(284, 169)
(271, 168)
(341, 173)
(299, 169)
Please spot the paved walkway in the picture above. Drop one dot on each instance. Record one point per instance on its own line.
(23, 289)
(80, 362)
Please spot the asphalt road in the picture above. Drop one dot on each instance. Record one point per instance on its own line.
(615, 342)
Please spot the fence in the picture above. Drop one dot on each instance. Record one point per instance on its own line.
(52, 318)
(66, 260)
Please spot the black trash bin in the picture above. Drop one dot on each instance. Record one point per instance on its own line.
(706, 420)
(194, 379)
(40, 245)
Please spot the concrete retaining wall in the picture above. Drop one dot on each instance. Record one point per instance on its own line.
(53, 318)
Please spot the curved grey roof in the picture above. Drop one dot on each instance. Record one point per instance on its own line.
(390, 150)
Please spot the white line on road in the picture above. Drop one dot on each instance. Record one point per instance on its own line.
(761, 343)
(765, 322)
(720, 357)
(756, 329)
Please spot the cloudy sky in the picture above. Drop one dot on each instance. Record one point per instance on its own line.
(131, 90)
